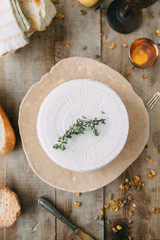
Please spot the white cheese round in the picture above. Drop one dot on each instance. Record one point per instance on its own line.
(72, 100)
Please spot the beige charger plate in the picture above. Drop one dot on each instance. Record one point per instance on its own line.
(42, 165)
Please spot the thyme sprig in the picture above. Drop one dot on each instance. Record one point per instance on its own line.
(77, 128)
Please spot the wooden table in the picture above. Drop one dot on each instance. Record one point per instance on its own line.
(19, 71)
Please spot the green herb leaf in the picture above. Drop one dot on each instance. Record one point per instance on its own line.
(154, 210)
(102, 112)
(97, 56)
(138, 188)
(84, 47)
(77, 128)
(55, 1)
(83, 12)
(108, 221)
(152, 189)
(102, 217)
(111, 196)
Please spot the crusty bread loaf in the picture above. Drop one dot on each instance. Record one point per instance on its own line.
(7, 136)
(39, 12)
(9, 207)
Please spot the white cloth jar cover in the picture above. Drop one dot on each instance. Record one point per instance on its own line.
(13, 27)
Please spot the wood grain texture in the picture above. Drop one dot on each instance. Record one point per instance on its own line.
(19, 71)
(3, 103)
(78, 32)
(22, 69)
(139, 228)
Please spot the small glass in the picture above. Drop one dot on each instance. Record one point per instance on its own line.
(144, 53)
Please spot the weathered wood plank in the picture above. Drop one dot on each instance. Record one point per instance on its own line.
(84, 217)
(139, 228)
(78, 30)
(22, 70)
(2, 102)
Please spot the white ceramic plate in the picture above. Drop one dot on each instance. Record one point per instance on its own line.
(57, 176)
(72, 100)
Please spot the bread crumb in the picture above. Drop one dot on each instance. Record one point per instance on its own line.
(77, 204)
(125, 45)
(101, 211)
(68, 44)
(59, 16)
(132, 67)
(153, 172)
(121, 186)
(158, 32)
(112, 46)
(119, 227)
(106, 206)
(128, 73)
(114, 229)
(144, 76)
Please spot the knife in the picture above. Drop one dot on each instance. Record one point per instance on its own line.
(77, 234)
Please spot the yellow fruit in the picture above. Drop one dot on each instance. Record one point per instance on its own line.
(88, 3)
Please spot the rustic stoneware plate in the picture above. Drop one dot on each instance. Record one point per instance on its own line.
(75, 99)
(42, 165)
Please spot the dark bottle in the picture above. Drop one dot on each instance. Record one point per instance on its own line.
(124, 15)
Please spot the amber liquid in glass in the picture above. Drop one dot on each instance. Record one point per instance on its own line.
(144, 53)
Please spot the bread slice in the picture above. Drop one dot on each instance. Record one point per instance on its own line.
(7, 136)
(10, 207)
(39, 12)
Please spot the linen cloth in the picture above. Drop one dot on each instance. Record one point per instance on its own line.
(13, 27)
